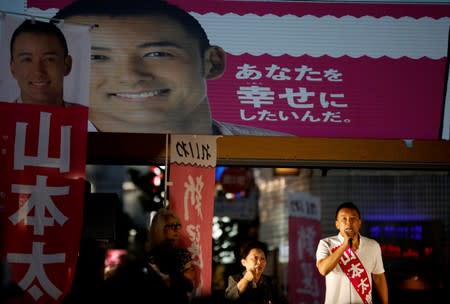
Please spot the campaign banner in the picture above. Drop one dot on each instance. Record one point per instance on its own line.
(191, 196)
(327, 69)
(305, 283)
(42, 169)
(357, 70)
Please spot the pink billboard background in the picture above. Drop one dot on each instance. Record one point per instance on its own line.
(359, 70)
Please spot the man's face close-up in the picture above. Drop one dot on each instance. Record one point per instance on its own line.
(146, 73)
(39, 66)
(348, 222)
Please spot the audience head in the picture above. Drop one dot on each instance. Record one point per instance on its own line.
(254, 257)
(165, 227)
(248, 246)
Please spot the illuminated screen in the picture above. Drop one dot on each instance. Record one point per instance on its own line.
(309, 69)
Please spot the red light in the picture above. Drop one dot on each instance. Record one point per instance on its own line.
(428, 251)
(156, 180)
(113, 257)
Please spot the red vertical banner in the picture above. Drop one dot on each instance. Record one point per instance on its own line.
(191, 196)
(42, 169)
(306, 285)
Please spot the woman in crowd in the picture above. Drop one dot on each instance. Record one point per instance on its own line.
(252, 286)
(165, 227)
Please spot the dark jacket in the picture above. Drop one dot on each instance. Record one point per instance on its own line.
(262, 293)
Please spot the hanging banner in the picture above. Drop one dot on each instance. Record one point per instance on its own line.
(191, 196)
(42, 169)
(305, 284)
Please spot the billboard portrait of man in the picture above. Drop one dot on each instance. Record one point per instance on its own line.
(150, 61)
(39, 51)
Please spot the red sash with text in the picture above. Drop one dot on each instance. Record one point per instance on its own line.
(353, 268)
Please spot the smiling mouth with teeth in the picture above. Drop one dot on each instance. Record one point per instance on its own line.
(140, 95)
(39, 83)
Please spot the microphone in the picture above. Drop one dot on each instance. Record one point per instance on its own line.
(350, 242)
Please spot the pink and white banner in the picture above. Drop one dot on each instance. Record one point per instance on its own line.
(191, 196)
(360, 70)
(42, 169)
(318, 69)
(305, 284)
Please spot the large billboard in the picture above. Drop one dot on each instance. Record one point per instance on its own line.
(308, 69)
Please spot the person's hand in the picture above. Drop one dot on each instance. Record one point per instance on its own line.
(348, 236)
(249, 275)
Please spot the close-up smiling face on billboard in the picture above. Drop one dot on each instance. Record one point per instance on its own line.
(149, 71)
(147, 75)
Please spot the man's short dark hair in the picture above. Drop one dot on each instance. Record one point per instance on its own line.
(39, 27)
(253, 244)
(347, 205)
(119, 8)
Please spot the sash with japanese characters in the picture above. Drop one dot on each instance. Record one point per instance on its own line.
(42, 169)
(352, 266)
(191, 196)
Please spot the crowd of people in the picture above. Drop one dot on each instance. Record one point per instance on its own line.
(165, 272)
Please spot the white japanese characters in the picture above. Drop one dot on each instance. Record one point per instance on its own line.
(36, 206)
(300, 101)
